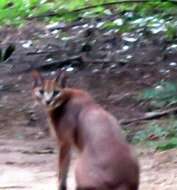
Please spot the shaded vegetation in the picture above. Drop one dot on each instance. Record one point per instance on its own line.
(162, 94)
(159, 135)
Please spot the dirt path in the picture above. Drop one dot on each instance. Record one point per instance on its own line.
(26, 164)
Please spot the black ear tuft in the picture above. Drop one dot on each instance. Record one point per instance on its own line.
(37, 78)
(61, 77)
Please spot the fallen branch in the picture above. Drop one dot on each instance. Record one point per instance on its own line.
(59, 64)
(41, 52)
(52, 66)
(76, 61)
(150, 115)
(48, 151)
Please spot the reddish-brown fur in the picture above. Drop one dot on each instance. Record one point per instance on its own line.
(105, 160)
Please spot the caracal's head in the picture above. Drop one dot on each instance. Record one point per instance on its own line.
(49, 92)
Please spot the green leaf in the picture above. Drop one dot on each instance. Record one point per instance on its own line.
(168, 144)
(164, 93)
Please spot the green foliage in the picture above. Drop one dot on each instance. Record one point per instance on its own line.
(16, 12)
(171, 30)
(154, 7)
(160, 136)
(152, 132)
(168, 144)
(121, 25)
(163, 94)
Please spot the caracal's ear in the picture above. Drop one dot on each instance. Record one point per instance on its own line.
(61, 77)
(37, 78)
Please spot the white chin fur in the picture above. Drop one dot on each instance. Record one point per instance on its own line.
(54, 105)
(48, 96)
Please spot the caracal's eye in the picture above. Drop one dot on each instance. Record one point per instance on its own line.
(55, 93)
(41, 91)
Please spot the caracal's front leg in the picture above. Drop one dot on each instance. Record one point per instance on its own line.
(64, 161)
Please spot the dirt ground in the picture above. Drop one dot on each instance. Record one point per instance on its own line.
(28, 156)
(32, 165)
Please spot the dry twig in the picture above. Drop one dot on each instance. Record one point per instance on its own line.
(150, 115)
